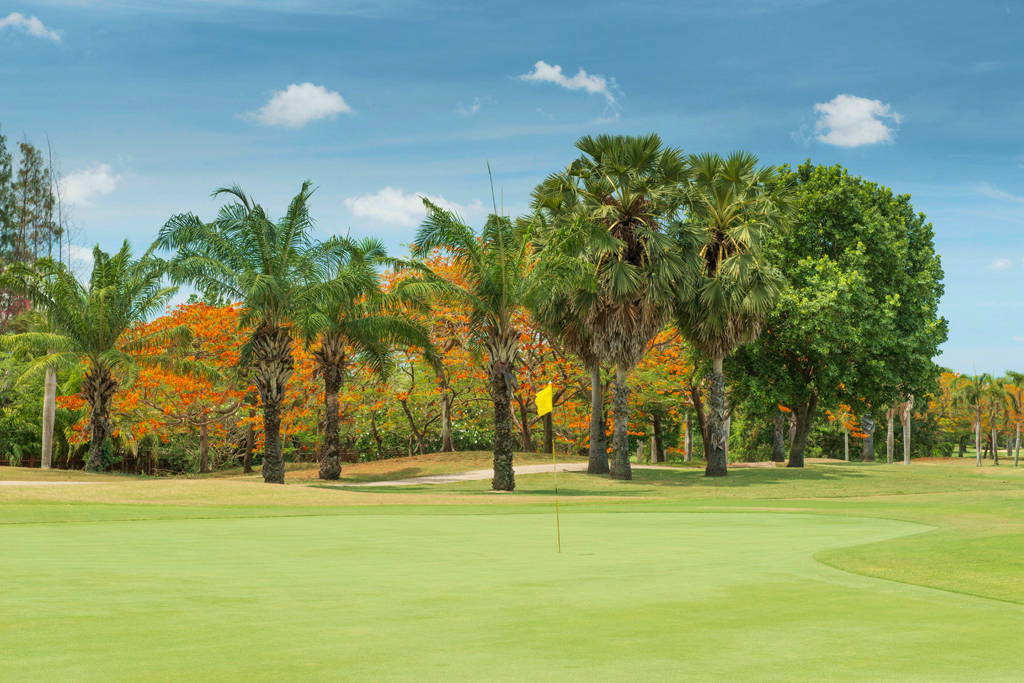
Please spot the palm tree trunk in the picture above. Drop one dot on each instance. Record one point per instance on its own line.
(717, 465)
(597, 457)
(504, 441)
(995, 444)
(867, 453)
(657, 444)
(446, 420)
(330, 452)
(620, 468)
(846, 444)
(49, 410)
(204, 447)
(273, 367)
(803, 414)
(688, 440)
(907, 407)
(779, 438)
(1016, 447)
(889, 435)
(526, 436)
(98, 387)
(977, 439)
(250, 444)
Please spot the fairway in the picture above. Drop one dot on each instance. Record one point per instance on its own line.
(400, 594)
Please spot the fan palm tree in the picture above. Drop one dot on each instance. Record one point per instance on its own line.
(496, 265)
(970, 392)
(244, 256)
(996, 397)
(350, 319)
(731, 204)
(611, 264)
(92, 323)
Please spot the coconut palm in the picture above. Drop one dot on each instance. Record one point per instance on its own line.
(92, 323)
(244, 256)
(351, 320)
(496, 268)
(731, 204)
(970, 392)
(995, 396)
(611, 265)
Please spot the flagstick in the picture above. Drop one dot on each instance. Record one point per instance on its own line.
(554, 471)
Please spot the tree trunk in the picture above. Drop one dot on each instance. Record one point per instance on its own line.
(702, 419)
(846, 444)
(549, 434)
(890, 444)
(803, 414)
(446, 421)
(688, 443)
(504, 441)
(250, 444)
(598, 453)
(1016, 447)
(49, 410)
(977, 440)
(867, 453)
(204, 448)
(330, 452)
(907, 409)
(98, 387)
(963, 445)
(995, 444)
(728, 433)
(657, 445)
(273, 367)
(620, 467)
(526, 437)
(779, 438)
(717, 465)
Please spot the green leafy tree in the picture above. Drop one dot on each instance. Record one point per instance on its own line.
(496, 269)
(351, 320)
(244, 256)
(611, 265)
(857, 323)
(91, 323)
(731, 206)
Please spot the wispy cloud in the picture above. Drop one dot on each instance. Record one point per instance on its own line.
(1001, 264)
(993, 192)
(396, 207)
(81, 187)
(850, 121)
(299, 104)
(30, 25)
(471, 110)
(592, 83)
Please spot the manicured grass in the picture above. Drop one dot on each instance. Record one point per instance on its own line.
(669, 577)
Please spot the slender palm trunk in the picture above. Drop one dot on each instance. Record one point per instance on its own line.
(977, 439)
(504, 439)
(446, 420)
(890, 437)
(620, 467)
(273, 367)
(250, 443)
(995, 444)
(98, 387)
(1016, 447)
(907, 407)
(688, 440)
(204, 447)
(49, 410)
(803, 414)
(779, 438)
(846, 444)
(717, 465)
(597, 457)
(331, 361)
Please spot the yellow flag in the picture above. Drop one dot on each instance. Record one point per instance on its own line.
(544, 399)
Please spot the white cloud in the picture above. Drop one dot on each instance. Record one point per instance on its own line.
(994, 192)
(80, 261)
(30, 25)
(1001, 264)
(552, 73)
(81, 187)
(397, 207)
(300, 103)
(471, 110)
(849, 121)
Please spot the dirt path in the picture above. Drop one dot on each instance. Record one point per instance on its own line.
(44, 483)
(475, 475)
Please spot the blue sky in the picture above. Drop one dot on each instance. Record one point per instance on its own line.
(150, 105)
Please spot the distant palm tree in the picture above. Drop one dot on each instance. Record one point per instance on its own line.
(612, 267)
(92, 323)
(730, 204)
(970, 392)
(496, 265)
(996, 397)
(245, 257)
(351, 320)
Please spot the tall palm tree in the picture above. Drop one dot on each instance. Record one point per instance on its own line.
(970, 392)
(244, 256)
(731, 204)
(351, 320)
(92, 323)
(497, 265)
(996, 397)
(611, 264)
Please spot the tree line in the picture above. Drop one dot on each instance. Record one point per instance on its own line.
(764, 294)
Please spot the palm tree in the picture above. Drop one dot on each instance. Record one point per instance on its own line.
(1016, 396)
(730, 206)
(970, 392)
(351, 320)
(996, 396)
(612, 266)
(244, 256)
(92, 323)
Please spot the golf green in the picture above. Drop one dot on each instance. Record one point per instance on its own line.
(406, 596)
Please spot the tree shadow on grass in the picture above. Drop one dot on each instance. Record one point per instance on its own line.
(742, 476)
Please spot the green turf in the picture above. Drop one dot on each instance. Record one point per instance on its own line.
(768, 575)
